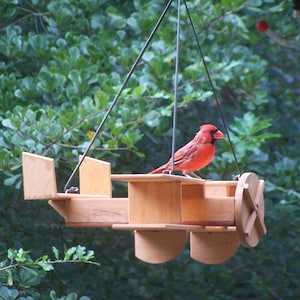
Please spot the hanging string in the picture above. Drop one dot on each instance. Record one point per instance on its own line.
(118, 94)
(175, 87)
(213, 89)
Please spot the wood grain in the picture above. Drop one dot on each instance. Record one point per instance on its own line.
(39, 180)
(87, 212)
(94, 177)
(213, 247)
(159, 246)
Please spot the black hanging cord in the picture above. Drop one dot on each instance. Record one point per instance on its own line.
(175, 87)
(118, 94)
(213, 88)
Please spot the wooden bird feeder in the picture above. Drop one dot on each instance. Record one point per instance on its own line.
(162, 210)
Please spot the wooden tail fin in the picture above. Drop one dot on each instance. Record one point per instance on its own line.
(39, 180)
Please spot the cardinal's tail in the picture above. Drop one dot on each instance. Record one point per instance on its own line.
(160, 169)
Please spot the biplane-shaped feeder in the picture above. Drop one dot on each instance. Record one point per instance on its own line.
(162, 210)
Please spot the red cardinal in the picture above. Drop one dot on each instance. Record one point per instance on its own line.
(196, 154)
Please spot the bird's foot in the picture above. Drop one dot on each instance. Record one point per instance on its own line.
(169, 172)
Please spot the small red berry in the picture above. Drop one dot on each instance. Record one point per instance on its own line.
(262, 26)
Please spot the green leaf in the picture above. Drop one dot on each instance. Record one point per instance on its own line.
(79, 253)
(10, 278)
(46, 266)
(90, 255)
(29, 277)
(53, 295)
(69, 253)
(17, 255)
(8, 294)
(55, 252)
(8, 124)
(116, 20)
(48, 82)
(277, 8)
(97, 21)
(12, 180)
(11, 253)
(72, 296)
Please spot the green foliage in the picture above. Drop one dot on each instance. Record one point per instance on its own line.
(19, 274)
(248, 135)
(61, 65)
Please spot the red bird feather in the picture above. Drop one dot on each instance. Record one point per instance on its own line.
(196, 154)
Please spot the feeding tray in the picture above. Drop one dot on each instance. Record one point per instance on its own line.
(162, 210)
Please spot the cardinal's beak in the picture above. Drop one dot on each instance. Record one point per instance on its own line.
(218, 135)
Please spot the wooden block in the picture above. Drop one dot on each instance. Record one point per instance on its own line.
(216, 189)
(94, 177)
(219, 212)
(154, 202)
(84, 211)
(159, 246)
(200, 210)
(39, 180)
(213, 247)
(203, 202)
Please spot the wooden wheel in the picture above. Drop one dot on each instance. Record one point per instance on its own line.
(249, 209)
(157, 247)
(213, 247)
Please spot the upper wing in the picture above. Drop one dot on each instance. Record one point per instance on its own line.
(186, 152)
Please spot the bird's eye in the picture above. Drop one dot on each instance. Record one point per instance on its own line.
(212, 134)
